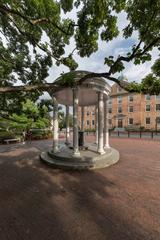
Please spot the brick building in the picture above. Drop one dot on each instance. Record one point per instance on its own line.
(89, 117)
(131, 110)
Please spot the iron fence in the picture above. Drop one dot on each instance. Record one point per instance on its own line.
(136, 134)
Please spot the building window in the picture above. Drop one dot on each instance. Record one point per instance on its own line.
(110, 121)
(148, 120)
(130, 109)
(157, 107)
(157, 97)
(87, 113)
(147, 97)
(119, 109)
(130, 98)
(109, 100)
(158, 120)
(92, 122)
(119, 99)
(148, 108)
(130, 121)
(93, 113)
(88, 122)
(110, 110)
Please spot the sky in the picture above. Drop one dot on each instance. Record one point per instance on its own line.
(115, 47)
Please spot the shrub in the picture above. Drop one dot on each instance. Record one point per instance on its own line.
(89, 130)
(6, 135)
(40, 134)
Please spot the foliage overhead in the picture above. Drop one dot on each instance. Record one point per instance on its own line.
(34, 35)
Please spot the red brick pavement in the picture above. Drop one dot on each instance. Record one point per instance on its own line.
(121, 202)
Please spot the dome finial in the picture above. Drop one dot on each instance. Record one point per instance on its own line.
(122, 77)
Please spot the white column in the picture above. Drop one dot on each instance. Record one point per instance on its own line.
(100, 123)
(55, 125)
(96, 116)
(106, 133)
(75, 123)
(82, 118)
(67, 125)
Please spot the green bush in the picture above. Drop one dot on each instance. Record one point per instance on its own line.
(40, 134)
(6, 135)
(133, 128)
(37, 134)
(89, 130)
(111, 129)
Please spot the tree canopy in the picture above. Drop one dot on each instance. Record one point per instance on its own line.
(34, 35)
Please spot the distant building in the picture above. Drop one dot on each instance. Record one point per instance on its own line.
(133, 110)
(89, 117)
(127, 110)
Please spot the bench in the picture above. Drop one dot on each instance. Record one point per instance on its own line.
(12, 140)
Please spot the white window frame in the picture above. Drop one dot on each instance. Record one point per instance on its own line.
(129, 109)
(109, 101)
(149, 122)
(111, 111)
(118, 108)
(156, 107)
(88, 122)
(149, 108)
(158, 123)
(129, 100)
(146, 97)
(119, 99)
(129, 122)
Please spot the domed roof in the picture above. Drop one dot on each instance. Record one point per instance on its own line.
(87, 91)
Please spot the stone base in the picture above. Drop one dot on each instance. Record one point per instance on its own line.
(88, 159)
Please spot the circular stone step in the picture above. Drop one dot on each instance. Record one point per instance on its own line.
(88, 161)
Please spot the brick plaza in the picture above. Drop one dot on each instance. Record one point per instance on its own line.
(121, 202)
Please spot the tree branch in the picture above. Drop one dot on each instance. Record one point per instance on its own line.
(41, 20)
(133, 55)
(148, 47)
(49, 87)
(127, 59)
(121, 83)
(33, 22)
(121, 58)
(31, 38)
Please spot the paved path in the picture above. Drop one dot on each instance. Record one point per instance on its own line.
(121, 202)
